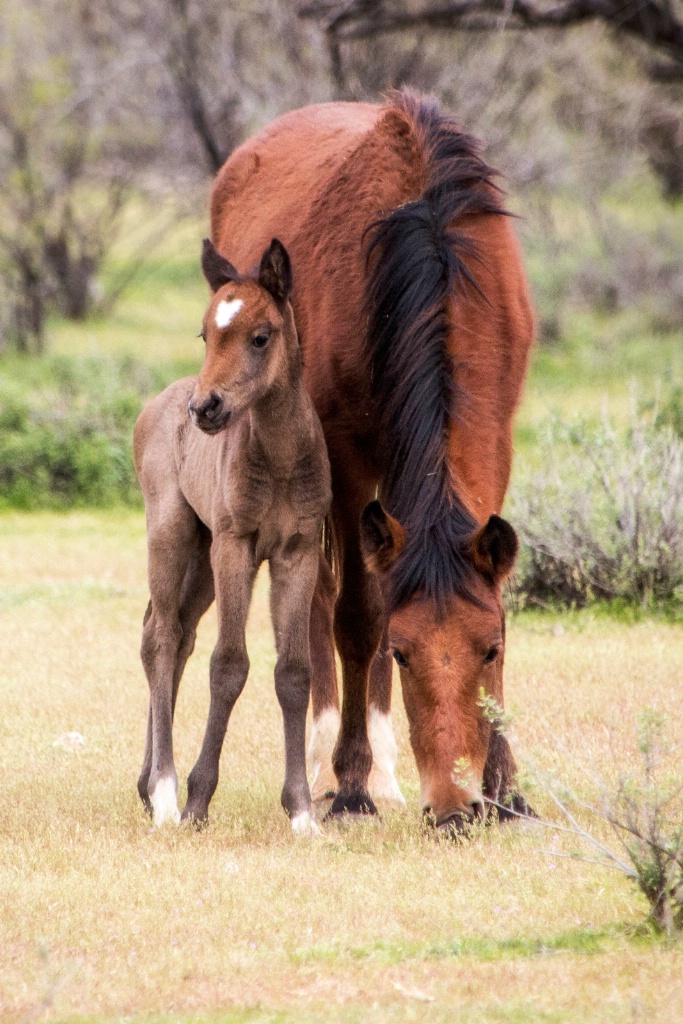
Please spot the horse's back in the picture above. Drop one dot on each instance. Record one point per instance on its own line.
(268, 185)
(319, 178)
(155, 439)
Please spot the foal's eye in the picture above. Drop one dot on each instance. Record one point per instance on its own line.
(399, 658)
(260, 340)
(491, 654)
(202, 335)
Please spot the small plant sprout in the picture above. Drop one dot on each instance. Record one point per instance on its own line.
(493, 712)
(462, 773)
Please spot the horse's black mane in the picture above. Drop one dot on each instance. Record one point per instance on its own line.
(417, 262)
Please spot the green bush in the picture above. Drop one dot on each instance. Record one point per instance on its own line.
(66, 430)
(604, 518)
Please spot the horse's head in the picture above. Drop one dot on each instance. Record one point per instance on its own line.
(448, 658)
(250, 336)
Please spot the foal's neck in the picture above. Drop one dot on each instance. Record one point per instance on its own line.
(281, 421)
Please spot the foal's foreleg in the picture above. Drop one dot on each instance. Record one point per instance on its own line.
(293, 581)
(234, 571)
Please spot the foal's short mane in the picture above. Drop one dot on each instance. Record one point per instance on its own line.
(416, 263)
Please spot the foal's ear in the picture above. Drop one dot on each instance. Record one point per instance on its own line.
(494, 549)
(275, 272)
(382, 538)
(217, 270)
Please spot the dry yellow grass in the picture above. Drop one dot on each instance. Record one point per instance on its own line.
(101, 917)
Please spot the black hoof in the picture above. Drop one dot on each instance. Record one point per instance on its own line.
(198, 819)
(518, 807)
(356, 803)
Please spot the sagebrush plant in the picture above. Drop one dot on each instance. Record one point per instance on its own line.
(603, 518)
(66, 431)
(644, 809)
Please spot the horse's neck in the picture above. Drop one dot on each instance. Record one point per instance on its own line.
(281, 424)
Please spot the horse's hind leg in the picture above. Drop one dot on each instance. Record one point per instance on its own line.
(171, 544)
(196, 598)
(324, 691)
(382, 783)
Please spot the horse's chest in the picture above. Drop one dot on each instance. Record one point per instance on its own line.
(271, 510)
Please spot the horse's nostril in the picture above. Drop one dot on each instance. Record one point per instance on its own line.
(211, 407)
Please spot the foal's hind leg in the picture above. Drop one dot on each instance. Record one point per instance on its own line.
(196, 597)
(172, 540)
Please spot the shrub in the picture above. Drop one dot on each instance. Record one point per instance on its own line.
(644, 811)
(603, 518)
(66, 431)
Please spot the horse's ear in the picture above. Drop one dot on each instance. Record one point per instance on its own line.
(494, 549)
(217, 270)
(275, 272)
(382, 538)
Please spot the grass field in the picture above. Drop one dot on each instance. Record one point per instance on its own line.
(105, 919)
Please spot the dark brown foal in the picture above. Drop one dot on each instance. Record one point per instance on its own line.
(234, 471)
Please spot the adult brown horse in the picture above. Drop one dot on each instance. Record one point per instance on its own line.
(415, 327)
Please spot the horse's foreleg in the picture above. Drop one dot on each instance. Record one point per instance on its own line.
(234, 572)
(324, 691)
(357, 630)
(169, 552)
(293, 580)
(382, 783)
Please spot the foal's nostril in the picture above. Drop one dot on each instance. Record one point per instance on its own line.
(211, 407)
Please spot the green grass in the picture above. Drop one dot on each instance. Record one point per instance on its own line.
(104, 918)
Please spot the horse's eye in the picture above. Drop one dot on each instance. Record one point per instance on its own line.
(260, 341)
(202, 335)
(399, 658)
(491, 654)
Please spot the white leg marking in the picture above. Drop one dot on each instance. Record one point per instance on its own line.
(227, 311)
(165, 802)
(382, 783)
(303, 825)
(320, 749)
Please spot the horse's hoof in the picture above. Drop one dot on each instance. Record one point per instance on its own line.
(165, 803)
(356, 803)
(304, 825)
(518, 810)
(197, 819)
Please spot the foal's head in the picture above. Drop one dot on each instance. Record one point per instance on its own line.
(251, 341)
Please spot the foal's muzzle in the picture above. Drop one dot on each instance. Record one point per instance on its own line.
(210, 415)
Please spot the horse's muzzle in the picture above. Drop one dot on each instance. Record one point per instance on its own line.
(456, 823)
(210, 415)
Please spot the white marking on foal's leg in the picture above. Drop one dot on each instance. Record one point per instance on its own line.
(320, 749)
(303, 825)
(165, 802)
(227, 311)
(382, 783)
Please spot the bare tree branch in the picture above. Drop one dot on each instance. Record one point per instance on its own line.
(654, 22)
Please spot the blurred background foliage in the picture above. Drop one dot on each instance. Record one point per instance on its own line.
(115, 116)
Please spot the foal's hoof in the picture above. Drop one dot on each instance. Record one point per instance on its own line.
(356, 803)
(304, 825)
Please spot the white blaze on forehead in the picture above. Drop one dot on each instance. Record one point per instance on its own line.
(227, 311)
